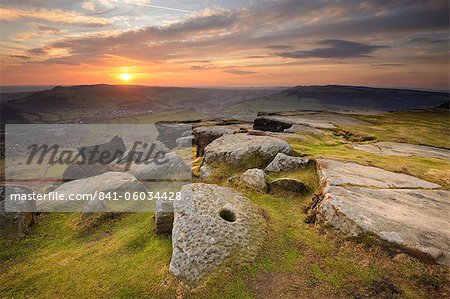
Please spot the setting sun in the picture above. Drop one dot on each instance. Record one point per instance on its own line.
(125, 77)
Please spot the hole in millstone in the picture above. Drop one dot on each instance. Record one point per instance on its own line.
(227, 215)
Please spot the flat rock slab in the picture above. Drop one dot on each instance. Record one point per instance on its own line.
(106, 183)
(351, 173)
(239, 148)
(278, 122)
(213, 225)
(413, 220)
(403, 149)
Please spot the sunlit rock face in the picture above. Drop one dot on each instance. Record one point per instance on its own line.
(243, 149)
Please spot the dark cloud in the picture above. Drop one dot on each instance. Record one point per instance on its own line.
(279, 47)
(198, 68)
(24, 57)
(427, 40)
(37, 51)
(276, 25)
(239, 72)
(334, 48)
(381, 65)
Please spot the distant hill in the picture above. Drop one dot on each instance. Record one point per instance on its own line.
(92, 103)
(338, 97)
(99, 102)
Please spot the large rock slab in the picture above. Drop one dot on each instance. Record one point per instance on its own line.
(213, 226)
(106, 183)
(253, 178)
(357, 202)
(413, 220)
(236, 149)
(351, 173)
(403, 149)
(205, 135)
(283, 162)
(278, 122)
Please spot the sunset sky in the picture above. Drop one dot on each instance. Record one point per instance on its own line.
(388, 43)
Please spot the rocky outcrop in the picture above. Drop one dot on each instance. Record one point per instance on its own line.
(115, 149)
(205, 135)
(108, 182)
(243, 149)
(390, 208)
(186, 141)
(278, 122)
(413, 220)
(170, 167)
(213, 226)
(81, 171)
(253, 178)
(272, 124)
(169, 132)
(283, 162)
(288, 185)
(403, 149)
(303, 129)
(350, 173)
(145, 151)
(16, 217)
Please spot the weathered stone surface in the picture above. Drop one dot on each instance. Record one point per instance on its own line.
(16, 217)
(145, 151)
(213, 226)
(205, 171)
(96, 153)
(81, 171)
(171, 167)
(303, 129)
(107, 182)
(351, 173)
(287, 185)
(254, 178)
(283, 162)
(403, 149)
(186, 141)
(255, 151)
(169, 132)
(164, 217)
(205, 135)
(278, 122)
(414, 220)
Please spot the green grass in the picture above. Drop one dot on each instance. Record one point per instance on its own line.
(122, 257)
